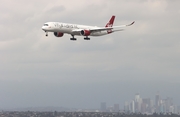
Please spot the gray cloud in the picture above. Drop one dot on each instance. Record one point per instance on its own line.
(48, 71)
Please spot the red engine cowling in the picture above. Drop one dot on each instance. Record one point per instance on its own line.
(85, 32)
(58, 34)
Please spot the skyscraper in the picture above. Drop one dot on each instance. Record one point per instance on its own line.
(126, 106)
(103, 106)
(146, 103)
(138, 102)
(132, 106)
(137, 97)
(157, 103)
(157, 100)
(116, 107)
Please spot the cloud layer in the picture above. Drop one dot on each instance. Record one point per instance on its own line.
(48, 71)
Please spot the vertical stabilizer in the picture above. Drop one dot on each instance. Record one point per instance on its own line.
(111, 21)
(110, 24)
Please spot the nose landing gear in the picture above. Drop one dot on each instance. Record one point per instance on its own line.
(46, 33)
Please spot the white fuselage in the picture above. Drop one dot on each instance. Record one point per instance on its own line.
(73, 29)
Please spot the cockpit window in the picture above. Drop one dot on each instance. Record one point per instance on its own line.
(45, 24)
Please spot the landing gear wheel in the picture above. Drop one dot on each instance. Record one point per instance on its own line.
(86, 38)
(74, 39)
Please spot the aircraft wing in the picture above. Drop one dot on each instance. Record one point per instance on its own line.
(93, 29)
(109, 28)
(103, 28)
(122, 26)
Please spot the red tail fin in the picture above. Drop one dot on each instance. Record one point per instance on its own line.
(111, 21)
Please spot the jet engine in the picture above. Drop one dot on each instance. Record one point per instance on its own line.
(58, 34)
(85, 32)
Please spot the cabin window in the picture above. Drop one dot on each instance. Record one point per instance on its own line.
(45, 24)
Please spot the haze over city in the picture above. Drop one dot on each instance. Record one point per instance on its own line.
(40, 71)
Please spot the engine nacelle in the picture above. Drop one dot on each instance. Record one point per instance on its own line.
(58, 34)
(85, 32)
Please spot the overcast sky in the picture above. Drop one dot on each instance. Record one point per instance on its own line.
(39, 71)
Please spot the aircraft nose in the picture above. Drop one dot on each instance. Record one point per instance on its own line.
(43, 28)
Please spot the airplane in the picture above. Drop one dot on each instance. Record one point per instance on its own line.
(59, 29)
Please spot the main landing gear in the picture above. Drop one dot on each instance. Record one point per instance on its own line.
(74, 39)
(86, 38)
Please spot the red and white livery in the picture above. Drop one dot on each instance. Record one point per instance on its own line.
(59, 29)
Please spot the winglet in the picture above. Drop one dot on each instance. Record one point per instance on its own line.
(131, 24)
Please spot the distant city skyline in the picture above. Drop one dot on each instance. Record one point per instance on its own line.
(138, 104)
(145, 105)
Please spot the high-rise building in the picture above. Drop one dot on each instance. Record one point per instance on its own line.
(137, 97)
(171, 109)
(132, 106)
(169, 101)
(103, 106)
(146, 101)
(146, 105)
(143, 108)
(178, 109)
(116, 107)
(157, 103)
(126, 106)
(157, 100)
(110, 109)
(138, 102)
